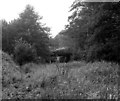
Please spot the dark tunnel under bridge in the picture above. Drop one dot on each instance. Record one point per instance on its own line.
(61, 55)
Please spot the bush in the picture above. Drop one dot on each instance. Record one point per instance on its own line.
(79, 55)
(108, 52)
(24, 52)
(93, 53)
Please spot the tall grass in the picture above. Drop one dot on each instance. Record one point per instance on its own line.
(74, 80)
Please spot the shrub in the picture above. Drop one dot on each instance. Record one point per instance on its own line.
(79, 55)
(93, 53)
(24, 52)
(105, 52)
(29, 67)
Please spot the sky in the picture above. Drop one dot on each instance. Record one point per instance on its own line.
(55, 12)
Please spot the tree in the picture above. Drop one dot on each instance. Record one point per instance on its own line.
(24, 52)
(29, 28)
(36, 31)
(94, 26)
(5, 35)
(53, 43)
(106, 33)
(77, 30)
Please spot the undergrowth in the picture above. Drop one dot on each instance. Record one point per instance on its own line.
(74, 80)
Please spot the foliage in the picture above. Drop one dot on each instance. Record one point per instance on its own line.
(74, 80)
(24, 52)
(38, 33)
(53, 43)
(106, 33)
(94, 29)
(28, 27)
(10, 71)
(6, 38)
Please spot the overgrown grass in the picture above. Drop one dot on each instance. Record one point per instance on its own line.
(74, 80)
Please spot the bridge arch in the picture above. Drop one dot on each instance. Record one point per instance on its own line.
(62, 54)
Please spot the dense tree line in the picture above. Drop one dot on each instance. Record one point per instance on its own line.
(93, 33)
(28, 28)
(94, 28)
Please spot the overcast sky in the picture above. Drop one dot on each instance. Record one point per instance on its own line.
(54, 12)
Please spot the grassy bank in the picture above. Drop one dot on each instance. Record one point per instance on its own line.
(74, 80)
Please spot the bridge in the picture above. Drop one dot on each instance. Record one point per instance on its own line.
(61, 54)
